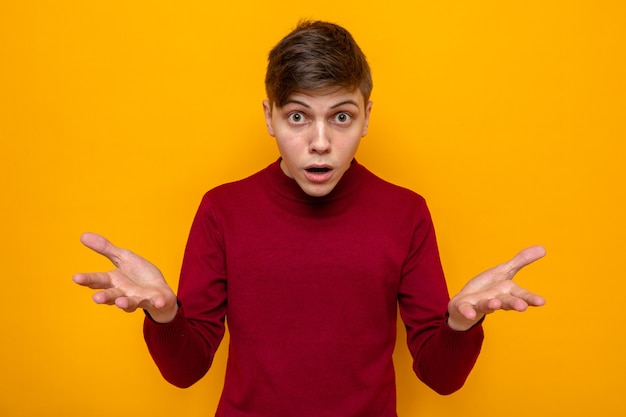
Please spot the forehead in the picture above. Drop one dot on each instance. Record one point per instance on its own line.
(328, 96)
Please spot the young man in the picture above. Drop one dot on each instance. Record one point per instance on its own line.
(309, 260)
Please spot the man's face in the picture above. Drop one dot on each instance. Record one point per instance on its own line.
(318, 133)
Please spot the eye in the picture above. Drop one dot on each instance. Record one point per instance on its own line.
(296, 117)
(343, 117)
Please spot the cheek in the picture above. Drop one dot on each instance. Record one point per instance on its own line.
(289, 141)
(289, 150)
(284, 144)
(351, 144)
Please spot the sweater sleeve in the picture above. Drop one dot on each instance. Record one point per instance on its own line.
(183, 349)
(442, 357)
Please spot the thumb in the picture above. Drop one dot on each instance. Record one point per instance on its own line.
(101, 245)
(523, 258)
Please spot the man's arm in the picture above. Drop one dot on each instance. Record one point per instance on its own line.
(181, 350)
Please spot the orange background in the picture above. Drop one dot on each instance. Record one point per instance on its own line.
(509, 117)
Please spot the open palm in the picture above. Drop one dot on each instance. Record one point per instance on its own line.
(494, 290)
(135, 283)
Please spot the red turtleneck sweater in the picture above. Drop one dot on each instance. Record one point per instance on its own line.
(310, 287)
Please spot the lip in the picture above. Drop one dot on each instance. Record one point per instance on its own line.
(318, 173)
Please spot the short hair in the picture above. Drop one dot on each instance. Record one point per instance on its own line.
(316, 55)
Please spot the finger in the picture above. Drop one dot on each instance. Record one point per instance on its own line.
(128, 304)
(510, 302)
(523, 258)
(107, 296)
(94, 280)
(132, 303)
(536, 300)
(157, 303)
(101, 245)
(518, 300)
(530, 298)
(467, 310)
(488, 305)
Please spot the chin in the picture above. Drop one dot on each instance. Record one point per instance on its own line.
(317, 190)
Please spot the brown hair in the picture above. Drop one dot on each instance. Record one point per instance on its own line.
(316, 55)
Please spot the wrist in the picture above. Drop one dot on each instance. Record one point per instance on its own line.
(163, 315)
(463, 325)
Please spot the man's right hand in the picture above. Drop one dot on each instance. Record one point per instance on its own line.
(135, 283)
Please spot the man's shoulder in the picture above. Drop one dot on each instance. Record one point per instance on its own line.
(382, 187)
(234, 192)
(251, 181)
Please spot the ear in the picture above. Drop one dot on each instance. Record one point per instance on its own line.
(267, 110)
(368, 111)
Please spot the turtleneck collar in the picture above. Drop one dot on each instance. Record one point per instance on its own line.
(289, 188)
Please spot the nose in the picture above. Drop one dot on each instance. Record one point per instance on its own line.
(320, 138)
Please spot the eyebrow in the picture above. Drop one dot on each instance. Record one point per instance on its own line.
(349, 101)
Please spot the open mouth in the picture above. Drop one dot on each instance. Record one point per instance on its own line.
(314, 170)
(319, 174)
